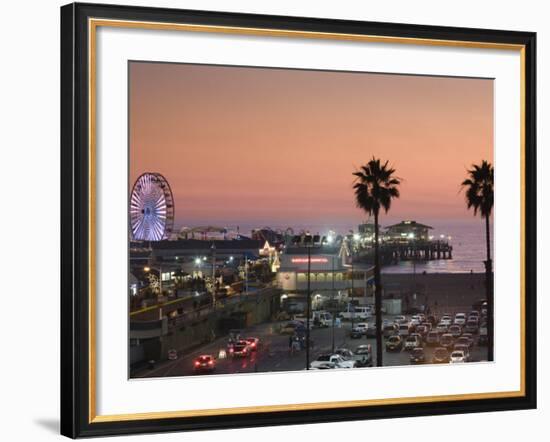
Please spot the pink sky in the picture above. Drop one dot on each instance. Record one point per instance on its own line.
(278, 146)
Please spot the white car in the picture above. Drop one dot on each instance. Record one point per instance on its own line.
(363, 326)
(356, 312)
(457, 356)
(460, 319)
(415, 320)
(412, 341)
(400, 319)
(332, 359)
(446, 320)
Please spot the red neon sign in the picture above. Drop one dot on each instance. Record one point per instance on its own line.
(312, 260)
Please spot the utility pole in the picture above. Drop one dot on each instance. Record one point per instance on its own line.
(213, 248)
(332, 303)
(352, 290)
(308, 308)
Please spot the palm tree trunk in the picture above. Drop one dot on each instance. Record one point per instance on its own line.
(489, 293)
(377, 295)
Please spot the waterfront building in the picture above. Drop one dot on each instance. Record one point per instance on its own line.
(407, 230)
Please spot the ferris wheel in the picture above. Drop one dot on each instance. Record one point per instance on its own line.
(151, 208)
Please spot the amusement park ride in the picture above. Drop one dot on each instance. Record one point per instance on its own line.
(151, 208)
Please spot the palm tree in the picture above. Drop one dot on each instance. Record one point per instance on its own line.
(480, 197)
(375, 187)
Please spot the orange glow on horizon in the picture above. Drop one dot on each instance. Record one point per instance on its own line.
(278, 146)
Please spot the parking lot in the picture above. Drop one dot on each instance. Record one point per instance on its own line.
(274, 351)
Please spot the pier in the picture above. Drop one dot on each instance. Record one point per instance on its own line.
(394, 252)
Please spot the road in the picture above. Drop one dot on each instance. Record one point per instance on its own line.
(274, 354)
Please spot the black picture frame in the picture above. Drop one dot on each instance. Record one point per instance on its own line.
(75, 220)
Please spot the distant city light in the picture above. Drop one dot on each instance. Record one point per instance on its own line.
(356, 237)
(230, 258)
(197, 261)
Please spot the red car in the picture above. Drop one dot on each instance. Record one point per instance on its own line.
(240, 349)
(253, 343)
(204, 364)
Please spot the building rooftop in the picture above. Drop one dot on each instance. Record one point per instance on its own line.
(406, 224)
(197, 244)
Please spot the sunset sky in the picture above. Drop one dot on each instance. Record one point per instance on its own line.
(277, 147)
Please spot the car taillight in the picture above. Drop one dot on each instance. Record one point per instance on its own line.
(210, 362)
(253, 344)
(197, 363)
(231, 350)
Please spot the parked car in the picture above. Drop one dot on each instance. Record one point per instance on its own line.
(356, 333)
(361, 360)
(394, 343)
(204, 364)
(446, 340)
(474, 314)
(455, 330)
(422, 330)
(363, 326)
(356, 312)
(457, 356)
(404, 329)
(446, 320)
(432, 338)
(460, 319)
(442, 328)
(412, 341)
(464, 340)
(417, 356)
(365, 351)
(335, 360)
(471, 326)
(400, 319)
(321, 319)
(390, 330)
(464, 349)
(470, 338)
(441, 355)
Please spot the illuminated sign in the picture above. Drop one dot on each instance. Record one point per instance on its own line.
(312, 260)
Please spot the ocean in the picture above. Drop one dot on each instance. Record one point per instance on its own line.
(469, 250)
(467, 239)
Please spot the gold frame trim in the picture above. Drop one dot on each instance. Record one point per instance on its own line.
(93, 24)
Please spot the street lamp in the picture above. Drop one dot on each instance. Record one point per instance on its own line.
(308, 242)
(213, 249)
(413, 240)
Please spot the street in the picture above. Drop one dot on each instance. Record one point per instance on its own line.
(274, 353)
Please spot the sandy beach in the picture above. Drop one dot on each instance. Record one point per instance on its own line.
(441, 291)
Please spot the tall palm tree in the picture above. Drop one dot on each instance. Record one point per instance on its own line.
(480, 196)
(375, 187)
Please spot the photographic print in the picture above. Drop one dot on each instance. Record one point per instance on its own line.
(293, 219)
(294, 215)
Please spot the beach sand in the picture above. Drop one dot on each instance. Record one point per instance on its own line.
(442, 292)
